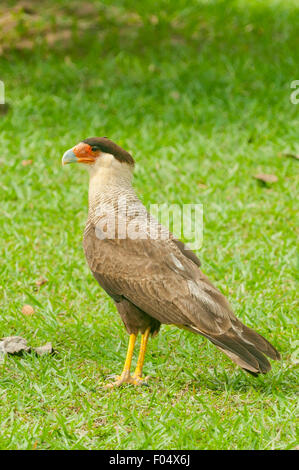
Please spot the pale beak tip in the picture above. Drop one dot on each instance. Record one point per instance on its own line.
(69, 157)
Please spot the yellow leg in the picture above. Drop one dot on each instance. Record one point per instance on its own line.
(128, 362)
(138, 371)
(125, 377)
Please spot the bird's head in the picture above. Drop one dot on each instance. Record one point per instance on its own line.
(97, 151)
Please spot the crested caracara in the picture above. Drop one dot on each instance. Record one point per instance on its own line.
(152, 280)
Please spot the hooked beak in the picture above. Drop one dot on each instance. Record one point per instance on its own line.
(69, 157)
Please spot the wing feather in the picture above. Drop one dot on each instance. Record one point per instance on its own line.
(162, 279)
(158, 277)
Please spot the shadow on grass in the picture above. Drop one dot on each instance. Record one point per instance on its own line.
(280, 382)
(172, 31)
(179, 63)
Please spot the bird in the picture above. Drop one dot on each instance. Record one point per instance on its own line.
(152, 280)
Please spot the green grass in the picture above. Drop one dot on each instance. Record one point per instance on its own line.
(200, 93)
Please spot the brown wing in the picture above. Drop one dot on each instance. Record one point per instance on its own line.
(160, 278)
(187, 252)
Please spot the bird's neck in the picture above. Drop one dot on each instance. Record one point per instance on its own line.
(109, 179)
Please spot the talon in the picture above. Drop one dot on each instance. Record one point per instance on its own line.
(141, 380)
(109, 386)
(128, 379)
(121, 380)
(112, 376)
(144, 383)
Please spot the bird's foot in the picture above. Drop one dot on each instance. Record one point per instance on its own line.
(138, 380)
(126, 378)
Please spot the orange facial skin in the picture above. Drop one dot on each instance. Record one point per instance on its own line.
(85, 154)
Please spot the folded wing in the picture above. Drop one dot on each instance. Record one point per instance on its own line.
(163, 279)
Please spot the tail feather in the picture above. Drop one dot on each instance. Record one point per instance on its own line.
(259, 342)
(264, 364)
(243, 345)
(240, 362)
(246, 348)
(237, 351)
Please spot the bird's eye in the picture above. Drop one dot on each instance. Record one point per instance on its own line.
(94, 149)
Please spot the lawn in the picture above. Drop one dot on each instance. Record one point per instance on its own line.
(199, 92)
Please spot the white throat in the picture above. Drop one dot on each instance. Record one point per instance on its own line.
(108, 173)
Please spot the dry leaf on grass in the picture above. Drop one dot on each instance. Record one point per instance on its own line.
(17, 345)
(64, 35)
(85, 9)
(154, 19)
(202, 185)
(290, 155)
(175, 95)
(266, 178)
(25, 44)
(27, 310)
(45, 349)
(41, 281)
(27, 162)
(13, 345)
(8, 23)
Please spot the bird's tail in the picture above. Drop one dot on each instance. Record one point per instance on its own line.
(246, 347)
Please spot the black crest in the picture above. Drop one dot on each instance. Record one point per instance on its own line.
(107, 146)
